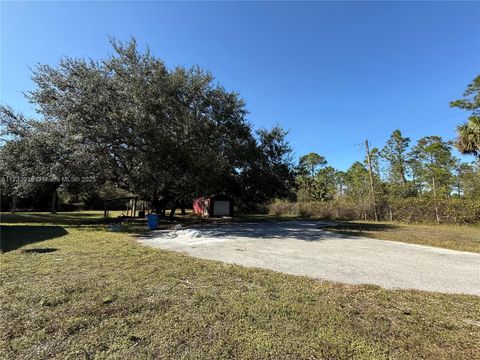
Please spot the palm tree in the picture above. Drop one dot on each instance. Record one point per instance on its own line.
(468, 140)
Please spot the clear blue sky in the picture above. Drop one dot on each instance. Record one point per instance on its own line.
(332, 73)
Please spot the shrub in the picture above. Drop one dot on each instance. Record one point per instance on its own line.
(409, 210)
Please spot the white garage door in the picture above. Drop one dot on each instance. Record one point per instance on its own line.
(221, 208)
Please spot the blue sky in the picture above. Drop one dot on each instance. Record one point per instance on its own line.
(333, 73)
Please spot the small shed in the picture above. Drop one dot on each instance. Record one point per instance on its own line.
(215, 205)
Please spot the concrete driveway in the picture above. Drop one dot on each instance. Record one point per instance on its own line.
(303, 248)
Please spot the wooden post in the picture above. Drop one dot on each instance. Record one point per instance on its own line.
(372, 188)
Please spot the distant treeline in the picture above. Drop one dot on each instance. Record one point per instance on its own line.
(397, 182)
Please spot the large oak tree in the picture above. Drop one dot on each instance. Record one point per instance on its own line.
(164, 134)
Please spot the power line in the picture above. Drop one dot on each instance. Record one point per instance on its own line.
(403, 131)
(341, 148)
(435, 121)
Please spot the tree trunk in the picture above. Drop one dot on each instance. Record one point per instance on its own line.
(14, 204)
(156, 205)
(435, 205)
(173, 209)
(372, 188)
(53, 209)
(183, 207)
(364, 212)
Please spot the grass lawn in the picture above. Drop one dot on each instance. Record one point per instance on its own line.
(70, 289)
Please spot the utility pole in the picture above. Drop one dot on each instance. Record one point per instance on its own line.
(372, 188)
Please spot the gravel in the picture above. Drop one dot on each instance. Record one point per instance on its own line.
(303, 248)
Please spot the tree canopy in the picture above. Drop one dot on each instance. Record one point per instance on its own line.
(162, 134)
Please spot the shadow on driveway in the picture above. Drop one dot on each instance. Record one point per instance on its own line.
(307, 230)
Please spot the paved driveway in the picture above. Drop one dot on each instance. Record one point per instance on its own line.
(303, 248)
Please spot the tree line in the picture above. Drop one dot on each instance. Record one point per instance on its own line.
(399, 171)
(399, 181)
(128, 124)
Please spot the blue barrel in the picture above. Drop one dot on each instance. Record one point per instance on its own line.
(152, 221)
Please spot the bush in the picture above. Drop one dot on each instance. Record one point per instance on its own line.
(450, 211)
(409, 210)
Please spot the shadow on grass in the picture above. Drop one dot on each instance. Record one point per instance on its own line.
(39, 250)
(70, 218)
(14, 237)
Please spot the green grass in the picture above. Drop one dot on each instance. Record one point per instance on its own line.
(84, 292)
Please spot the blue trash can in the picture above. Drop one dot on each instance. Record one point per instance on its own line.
(152, 221)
